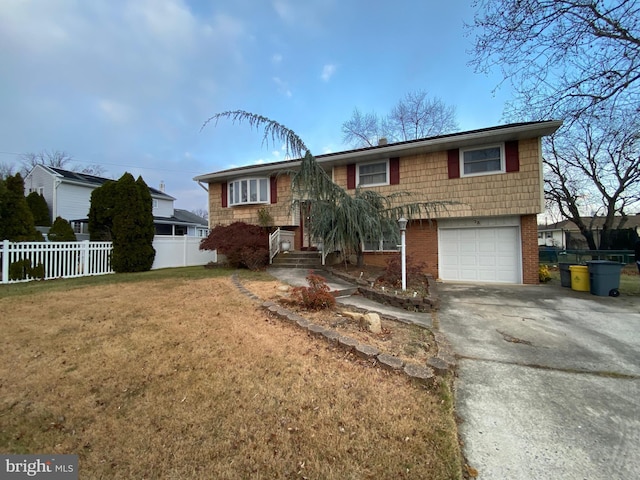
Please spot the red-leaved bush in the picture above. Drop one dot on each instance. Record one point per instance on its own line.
(316, 296)
(244, 245)
(392, 275)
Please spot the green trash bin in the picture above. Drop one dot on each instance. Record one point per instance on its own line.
(604, 277)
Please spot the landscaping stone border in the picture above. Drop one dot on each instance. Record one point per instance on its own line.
(413, 304)
(440, 365)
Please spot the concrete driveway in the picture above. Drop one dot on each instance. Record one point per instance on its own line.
(548, 381)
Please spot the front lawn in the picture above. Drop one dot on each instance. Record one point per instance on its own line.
(175, 374)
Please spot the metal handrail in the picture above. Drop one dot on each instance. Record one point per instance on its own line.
(274, 244)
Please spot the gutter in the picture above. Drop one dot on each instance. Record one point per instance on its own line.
(445, 142)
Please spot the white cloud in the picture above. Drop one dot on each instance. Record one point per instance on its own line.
(116, 112)
(284, 10)
(276, 59)
(283, 87)
(327, 72)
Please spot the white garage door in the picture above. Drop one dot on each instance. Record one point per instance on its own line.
(489, 254)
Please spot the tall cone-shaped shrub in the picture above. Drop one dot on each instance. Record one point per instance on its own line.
(122, 212)
(132, 229)
(16, 220)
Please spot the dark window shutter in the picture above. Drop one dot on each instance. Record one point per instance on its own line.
(224, 195)
(453, 163)
(273, 185)
(351, 176)
(512, 158)
(394, 171)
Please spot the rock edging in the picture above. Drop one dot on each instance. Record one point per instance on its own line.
(413, 304)
(438, 366)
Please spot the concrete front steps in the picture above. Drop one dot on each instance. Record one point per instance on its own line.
(298, 259)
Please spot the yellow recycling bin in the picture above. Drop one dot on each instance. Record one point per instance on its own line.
(579, 278)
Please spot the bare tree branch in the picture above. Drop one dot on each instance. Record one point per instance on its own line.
(564, 58)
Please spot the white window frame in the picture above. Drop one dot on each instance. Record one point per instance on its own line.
(380, 247)
(502, 168)
(387, 173)
(155, 203)
(244, 184)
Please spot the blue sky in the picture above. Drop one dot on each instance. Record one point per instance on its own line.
(128, 84)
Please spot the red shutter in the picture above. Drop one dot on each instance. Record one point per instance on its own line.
(224, 195)
(512, 158)
(453, 163)
(351, 176)
(394, 171)
(273, 185)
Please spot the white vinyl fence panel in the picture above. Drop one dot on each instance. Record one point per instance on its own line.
(48, 260)
(55, 259)
(183, 251)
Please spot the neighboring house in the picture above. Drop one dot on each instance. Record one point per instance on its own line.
(182, 222)
(565, 235)
(68, 195)
(494, 175)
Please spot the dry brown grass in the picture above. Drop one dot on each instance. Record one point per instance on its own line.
(166, 379)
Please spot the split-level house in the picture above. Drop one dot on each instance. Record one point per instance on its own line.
(491, 176)
(68, 195)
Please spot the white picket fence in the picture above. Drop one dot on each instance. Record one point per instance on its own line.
(81, 259)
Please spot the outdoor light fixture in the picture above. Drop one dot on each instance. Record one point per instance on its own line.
(402, 223)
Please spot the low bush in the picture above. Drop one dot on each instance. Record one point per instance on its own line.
(22, 269)
(61, 231)
(392, 275)
(543, 274)
(316, 296)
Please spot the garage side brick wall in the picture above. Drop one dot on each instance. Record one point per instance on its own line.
(422, 246)
(529, 239)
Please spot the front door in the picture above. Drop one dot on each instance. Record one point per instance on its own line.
(305, 224)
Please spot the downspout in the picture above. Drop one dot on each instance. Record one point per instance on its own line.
(203, 187)
(54, 213)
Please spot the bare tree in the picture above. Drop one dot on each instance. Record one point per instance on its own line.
(593, 168)
(414, 116)
(6, 169)
(92, 169)
(50, 158)
(57, 159)
(563, 58)
(201, 212)
(363, 130)
(418, 116)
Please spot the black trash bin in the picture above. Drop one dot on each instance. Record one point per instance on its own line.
(565, 274)
(604, 277)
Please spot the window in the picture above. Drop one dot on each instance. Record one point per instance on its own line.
(388, 242)
(247, 191)
(155, 203)
(41, 191)
(371, 174)
(482, 161)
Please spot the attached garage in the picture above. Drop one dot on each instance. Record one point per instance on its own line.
(484, 250)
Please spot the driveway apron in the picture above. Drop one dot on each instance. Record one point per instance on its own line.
(548, 380)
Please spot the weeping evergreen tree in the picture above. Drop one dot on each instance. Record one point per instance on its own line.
(343, 221)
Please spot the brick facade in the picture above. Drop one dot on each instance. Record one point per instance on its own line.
(529, 239)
